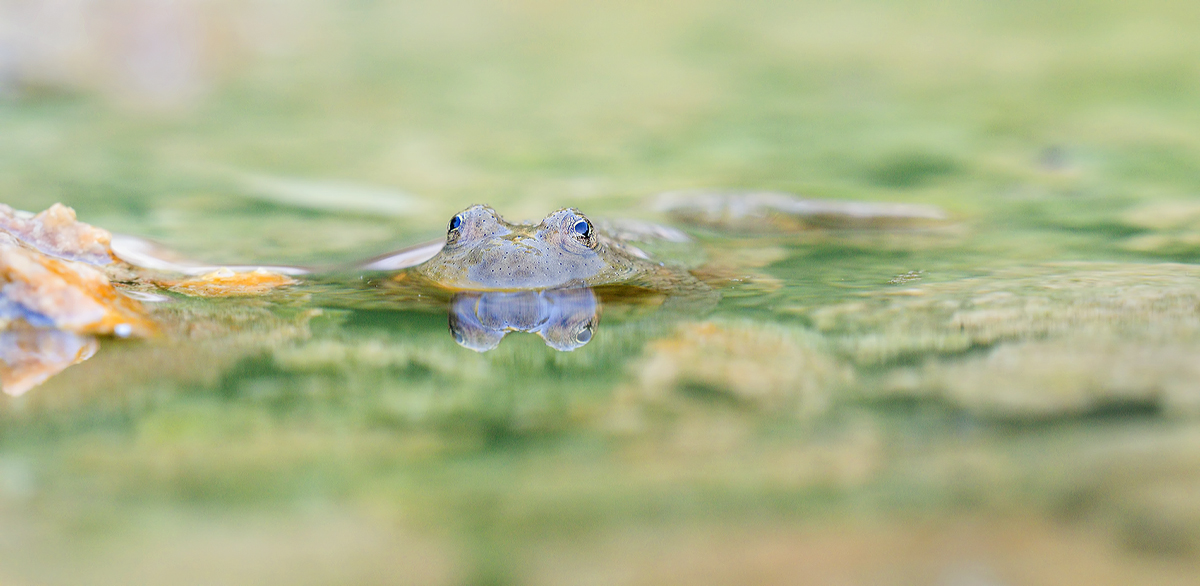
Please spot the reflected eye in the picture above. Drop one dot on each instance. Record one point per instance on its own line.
(583, 228)
(455, 222)
(584, 336)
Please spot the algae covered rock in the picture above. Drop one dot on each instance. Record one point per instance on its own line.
(1015, 304)
(1062, 376)
(755, 365)
(1033, 343)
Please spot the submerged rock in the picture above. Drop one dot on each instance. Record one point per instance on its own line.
(747, 364)
(1065, 376)
(1016, 304)
(1031, 343)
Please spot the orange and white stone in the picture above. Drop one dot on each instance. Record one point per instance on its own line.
(226, 282)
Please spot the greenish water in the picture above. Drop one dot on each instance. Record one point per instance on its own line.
(1020, 409)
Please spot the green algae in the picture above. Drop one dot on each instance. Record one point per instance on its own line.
(1034, 302)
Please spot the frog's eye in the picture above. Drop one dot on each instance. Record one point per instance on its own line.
(455, 222)
(583, 228)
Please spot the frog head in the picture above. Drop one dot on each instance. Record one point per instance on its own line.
(483, 252)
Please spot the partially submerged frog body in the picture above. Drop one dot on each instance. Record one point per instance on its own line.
(483, 252)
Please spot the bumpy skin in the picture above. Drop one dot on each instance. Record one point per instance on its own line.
(485, 253)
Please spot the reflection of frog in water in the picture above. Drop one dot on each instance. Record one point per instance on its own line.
(564, 318)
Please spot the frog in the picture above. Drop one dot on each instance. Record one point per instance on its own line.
(484, 252)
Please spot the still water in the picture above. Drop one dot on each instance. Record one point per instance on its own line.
(1006, 395)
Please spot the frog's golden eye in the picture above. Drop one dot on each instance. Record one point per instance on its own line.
(455, 222)
(583, 228)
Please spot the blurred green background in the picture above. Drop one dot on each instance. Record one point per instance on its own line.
(1004, 419)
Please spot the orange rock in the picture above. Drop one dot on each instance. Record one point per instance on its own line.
(62, 294)
(229, 283)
